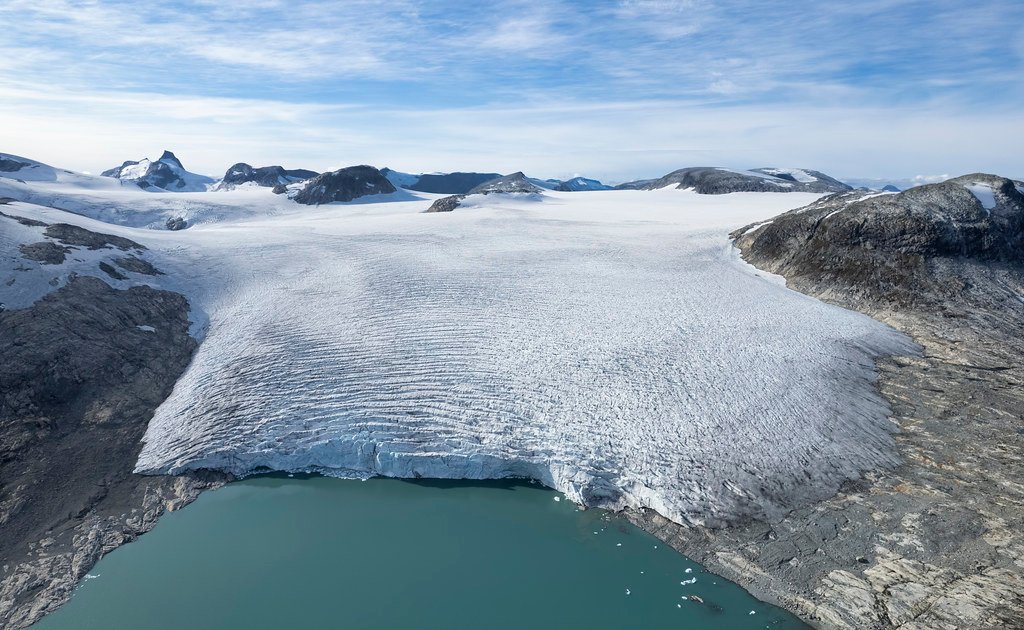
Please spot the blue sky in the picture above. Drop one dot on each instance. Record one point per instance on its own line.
(616, 89)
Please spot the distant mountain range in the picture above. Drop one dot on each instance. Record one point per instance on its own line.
(168, 174)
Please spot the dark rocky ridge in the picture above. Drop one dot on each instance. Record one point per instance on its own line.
(708, 180)
(9, 165)
(514, 183)
(451, 183)
(74, 235)
(879, 247)
(937, 542)
(344, 185)
(79, 382)
(446, 204)
(579, 184)
(267, 176)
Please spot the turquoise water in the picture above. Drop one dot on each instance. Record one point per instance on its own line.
(315, 552)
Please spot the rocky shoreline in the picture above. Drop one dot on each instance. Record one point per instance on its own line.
(938, 542)
(84, 368)
(935, 543)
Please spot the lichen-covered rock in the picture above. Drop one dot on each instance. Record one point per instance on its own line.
(344, 185)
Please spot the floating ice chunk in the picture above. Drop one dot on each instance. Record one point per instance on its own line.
(558, 498)
(690, 581)
(688, 570)
(627, 591)
(146, 328)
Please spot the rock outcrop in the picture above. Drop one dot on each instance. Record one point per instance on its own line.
(344, 185)
(514, 183)
(708, 180)
(924, 246)
(166, 174)
(77, 236)
(446, 204)
(266, 176)
(84, 368)
(11, 165)
(937, 542)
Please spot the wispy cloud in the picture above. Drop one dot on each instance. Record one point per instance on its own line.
(618, 88)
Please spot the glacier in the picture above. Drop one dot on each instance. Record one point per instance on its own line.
(611, 345)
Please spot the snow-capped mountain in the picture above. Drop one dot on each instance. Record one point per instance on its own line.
(166, 174)
(710, 180)
(344, 184)
(514, 183)
(266, 176)
(578, 184)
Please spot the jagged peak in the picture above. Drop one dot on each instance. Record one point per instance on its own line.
(169, 158)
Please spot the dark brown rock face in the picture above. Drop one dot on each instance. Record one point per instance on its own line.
(344, 185)
(83, 370)
(74, 235)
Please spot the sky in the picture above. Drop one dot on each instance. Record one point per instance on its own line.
(613, 89)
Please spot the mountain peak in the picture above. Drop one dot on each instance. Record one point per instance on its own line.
(514, 183)
(170, 158)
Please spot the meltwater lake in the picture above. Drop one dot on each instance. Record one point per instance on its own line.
(316, 552)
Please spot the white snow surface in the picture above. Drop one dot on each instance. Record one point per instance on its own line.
(799, 175)
(611, 345)
(984, 194)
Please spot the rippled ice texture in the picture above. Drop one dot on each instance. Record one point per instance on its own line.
(611, 345)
